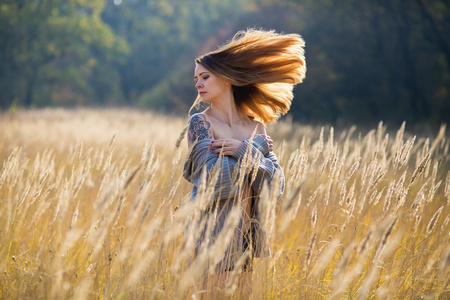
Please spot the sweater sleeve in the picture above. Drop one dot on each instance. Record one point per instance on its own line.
(266, 162)
(202, 159)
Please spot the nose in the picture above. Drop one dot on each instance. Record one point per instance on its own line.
(198, 85)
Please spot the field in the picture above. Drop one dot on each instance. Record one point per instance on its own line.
(93, 206)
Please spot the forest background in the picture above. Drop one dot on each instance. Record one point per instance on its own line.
(367, 61)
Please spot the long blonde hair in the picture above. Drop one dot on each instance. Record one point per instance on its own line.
(263, 67)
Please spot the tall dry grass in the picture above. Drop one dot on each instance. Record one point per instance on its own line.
(93, 205)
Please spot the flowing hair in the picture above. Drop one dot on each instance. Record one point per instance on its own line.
(262, 67)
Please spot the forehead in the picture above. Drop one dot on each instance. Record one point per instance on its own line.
(200, 69)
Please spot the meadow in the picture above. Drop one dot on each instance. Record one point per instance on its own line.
(93, 206)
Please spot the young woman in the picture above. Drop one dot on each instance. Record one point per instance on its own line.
(248, 82)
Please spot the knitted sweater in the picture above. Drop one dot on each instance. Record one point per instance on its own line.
(264, 162)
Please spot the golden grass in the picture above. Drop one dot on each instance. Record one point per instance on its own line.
(93, 205)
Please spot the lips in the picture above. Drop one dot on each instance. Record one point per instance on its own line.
(201, 93)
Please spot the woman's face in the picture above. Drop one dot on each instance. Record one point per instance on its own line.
(209, 86)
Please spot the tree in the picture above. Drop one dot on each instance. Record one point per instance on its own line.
(368, 60)
(165, 37)
(57, 52)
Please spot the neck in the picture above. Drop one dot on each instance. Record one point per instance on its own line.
(226, 112)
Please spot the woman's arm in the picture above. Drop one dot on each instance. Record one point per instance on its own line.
(202, 159)
(231, 146)
(199, 129)
(261, 130)
(257, 150)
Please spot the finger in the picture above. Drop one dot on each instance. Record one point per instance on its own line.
(222, 150)
(230, 150)
(219, 142)
(218, 149)
(227, 149)
(269, 140)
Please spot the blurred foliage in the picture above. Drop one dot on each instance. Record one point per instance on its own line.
(367, 60)
(58, 52)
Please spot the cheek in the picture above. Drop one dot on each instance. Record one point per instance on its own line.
(221, 85)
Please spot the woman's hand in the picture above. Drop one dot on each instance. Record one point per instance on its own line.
(225, 146)
(230, 146)
(269, 141)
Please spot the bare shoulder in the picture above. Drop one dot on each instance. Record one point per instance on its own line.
(199, 128)
(260, 128)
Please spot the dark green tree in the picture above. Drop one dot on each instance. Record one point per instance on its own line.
(367, 60)
(164, 38)
(58, 52)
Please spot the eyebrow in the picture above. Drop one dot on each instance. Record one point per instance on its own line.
(201, 74)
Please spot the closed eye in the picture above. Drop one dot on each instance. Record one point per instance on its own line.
(203, 75)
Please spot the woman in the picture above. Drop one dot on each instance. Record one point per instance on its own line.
(248, 82)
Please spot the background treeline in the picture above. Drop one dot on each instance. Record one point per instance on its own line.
(367, 60)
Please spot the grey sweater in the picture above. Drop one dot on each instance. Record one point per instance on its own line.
(265, 164)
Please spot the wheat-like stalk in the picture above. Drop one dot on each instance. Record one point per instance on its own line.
(93, 205)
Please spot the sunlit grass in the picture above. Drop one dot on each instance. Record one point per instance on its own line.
(93, 205)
